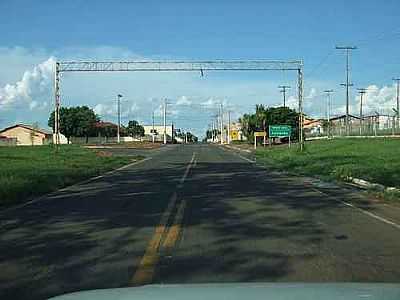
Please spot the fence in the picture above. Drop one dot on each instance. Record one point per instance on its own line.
(370, 127)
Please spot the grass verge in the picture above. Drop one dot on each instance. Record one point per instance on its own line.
(374, 160)
(32, 171)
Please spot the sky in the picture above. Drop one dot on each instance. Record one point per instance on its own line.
(35, 34)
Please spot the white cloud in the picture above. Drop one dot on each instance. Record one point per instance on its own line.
(104, 109)
(34, 84)
(381, 100)
(183, 100)
(213, 102)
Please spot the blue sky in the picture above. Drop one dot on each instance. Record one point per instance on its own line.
(34, 31)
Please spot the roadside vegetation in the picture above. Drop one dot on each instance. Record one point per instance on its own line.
(374, 160)
(32, 171)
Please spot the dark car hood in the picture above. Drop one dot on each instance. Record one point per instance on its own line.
(246, 291)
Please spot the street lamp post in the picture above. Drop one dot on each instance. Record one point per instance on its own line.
(119, 96)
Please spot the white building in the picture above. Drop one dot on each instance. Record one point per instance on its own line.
(158, 132)
(24, 135)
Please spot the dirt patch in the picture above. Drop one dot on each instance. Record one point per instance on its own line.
(100, 153)
(127, 145)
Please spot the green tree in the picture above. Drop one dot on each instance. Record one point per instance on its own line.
(106, 129)
(76, 121)
(209, 133)
(266, 116)
(134, 129)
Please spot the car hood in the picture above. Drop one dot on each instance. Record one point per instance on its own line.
(246, 291)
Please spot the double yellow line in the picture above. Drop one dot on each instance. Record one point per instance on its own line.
(146, 269)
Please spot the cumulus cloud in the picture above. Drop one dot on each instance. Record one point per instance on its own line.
(381, 100)
(104, 109)
(110, 109)
(183, 100)
(213, 102)
(34, 86)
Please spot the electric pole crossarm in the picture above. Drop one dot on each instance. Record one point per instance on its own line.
(283, 91)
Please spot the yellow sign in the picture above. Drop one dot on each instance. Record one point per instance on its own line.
(260, 133)
(234, 135)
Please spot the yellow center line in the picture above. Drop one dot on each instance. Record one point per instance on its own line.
(174, 230)
(146, 269)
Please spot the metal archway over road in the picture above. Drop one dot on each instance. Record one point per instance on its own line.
(173, 66)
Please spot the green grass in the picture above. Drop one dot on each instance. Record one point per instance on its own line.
(375, 160)
(32, 171)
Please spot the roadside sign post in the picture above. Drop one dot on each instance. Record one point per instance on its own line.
(257, 134)
(280, 131)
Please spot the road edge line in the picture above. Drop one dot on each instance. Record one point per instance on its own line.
(367, 213)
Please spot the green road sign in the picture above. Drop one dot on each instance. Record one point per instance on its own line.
(279, 131)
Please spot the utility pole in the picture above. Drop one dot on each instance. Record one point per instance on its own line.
(222, 122)
(328, 110)
(397, 102)
(153, 133)
(229, 127)
(347, 84)
(56, 138)
(283, 91)
(215, 127)
(361, 91)
(165, 120)
(119, 96)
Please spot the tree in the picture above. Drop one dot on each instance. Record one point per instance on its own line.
(211, 133)
(76, 121)
(266, 116)
(106, 129)
(134, 129)
(187, 136)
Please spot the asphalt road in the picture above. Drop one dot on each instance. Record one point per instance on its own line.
(194, 214)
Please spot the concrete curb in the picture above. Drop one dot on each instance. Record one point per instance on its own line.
(237, 148)
(370, 185)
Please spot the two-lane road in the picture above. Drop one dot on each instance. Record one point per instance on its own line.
(190, 214)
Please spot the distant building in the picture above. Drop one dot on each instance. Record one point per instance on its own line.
(341, 120)
(158, 132)
(313, 126)
(27, 135)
